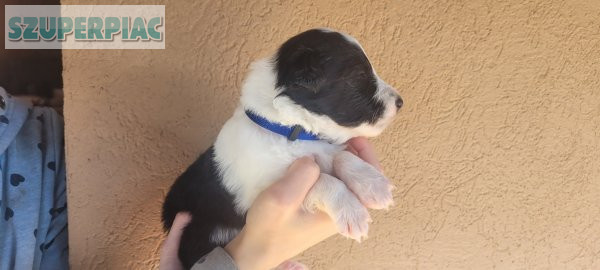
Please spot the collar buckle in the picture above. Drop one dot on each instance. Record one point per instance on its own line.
(296, 130)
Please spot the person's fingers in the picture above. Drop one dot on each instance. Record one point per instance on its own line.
(295, 184)
(365, 151)
(351, 149)
(174, 236)
(169, 259)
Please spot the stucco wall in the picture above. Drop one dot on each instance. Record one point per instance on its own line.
(496, 154)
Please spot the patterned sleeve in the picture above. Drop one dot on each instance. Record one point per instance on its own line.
(33, 221)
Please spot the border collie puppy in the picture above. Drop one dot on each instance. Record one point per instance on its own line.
(316, 92)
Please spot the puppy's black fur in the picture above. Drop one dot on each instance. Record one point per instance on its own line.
(320, 70)
(199, 191)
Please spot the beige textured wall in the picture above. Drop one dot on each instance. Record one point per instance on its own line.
(496, 154)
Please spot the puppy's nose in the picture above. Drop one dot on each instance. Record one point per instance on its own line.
(399, 102)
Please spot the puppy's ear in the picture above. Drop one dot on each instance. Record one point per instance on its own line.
(307, 70)
(300, 69)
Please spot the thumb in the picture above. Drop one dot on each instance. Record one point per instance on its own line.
(168, 258)
(297, 181)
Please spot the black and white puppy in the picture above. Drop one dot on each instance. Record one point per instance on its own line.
(315, 93)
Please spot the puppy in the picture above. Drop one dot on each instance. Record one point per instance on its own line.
(316, 92)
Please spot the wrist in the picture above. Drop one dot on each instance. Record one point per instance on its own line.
(248, 254)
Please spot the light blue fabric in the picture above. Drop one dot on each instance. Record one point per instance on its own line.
(33, 216)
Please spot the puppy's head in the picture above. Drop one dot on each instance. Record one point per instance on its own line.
(323, 81)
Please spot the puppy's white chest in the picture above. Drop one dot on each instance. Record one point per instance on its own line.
(250, 158)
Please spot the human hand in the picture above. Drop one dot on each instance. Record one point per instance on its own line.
(277, 227)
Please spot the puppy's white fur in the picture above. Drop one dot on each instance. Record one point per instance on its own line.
(222, 236)
(249, 166)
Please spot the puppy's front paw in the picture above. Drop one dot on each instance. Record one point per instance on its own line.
(377, 195)
(372, 188)
(351, 217)
(332, 196)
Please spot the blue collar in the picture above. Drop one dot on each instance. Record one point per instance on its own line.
(291, 133)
